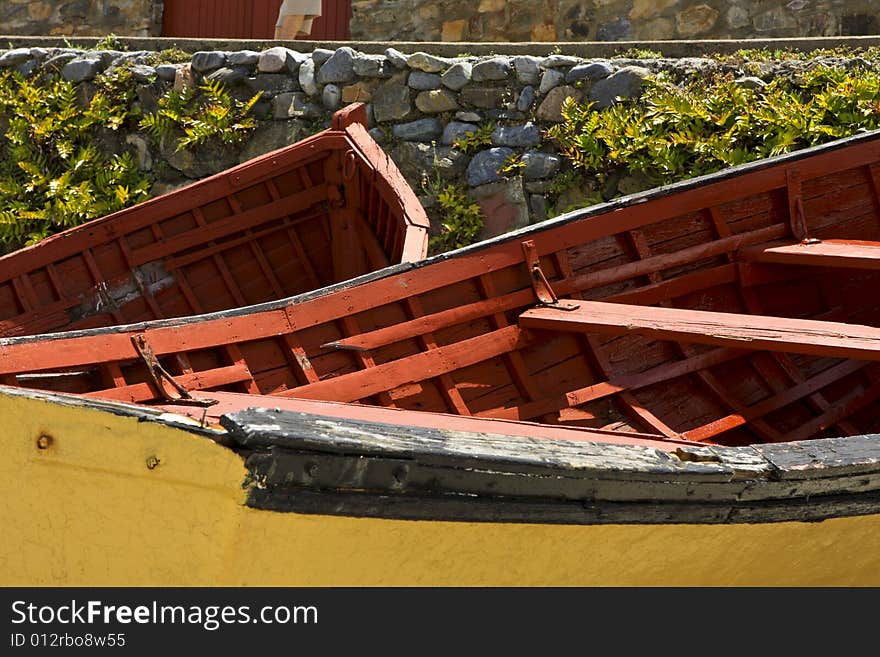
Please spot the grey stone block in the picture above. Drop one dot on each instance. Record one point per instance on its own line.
(338, 68)
(497, 68)
(80, 70)
(422, 61)
(391, 99)
(331, 97)
(208, 60)
(421, 130)
(516, 135)
(306, 77)
(592, 71)
(526, 99)
(626, 83)
(540, 165)
(423, 81)
(455, 130)
(243, 58)
(551, 78)
(528, 69)
(485, 164)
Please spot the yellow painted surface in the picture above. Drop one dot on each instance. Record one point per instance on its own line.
(89, 511)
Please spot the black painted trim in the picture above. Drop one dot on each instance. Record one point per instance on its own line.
(306, 463)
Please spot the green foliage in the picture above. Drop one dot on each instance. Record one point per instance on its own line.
(193, 116)
(674, 132)
(571, 179)
(476, 141)
(53, 175)
(738, 57)
(639, 53)
(168, 56)
(109, 42)
(512, 166)
(462, 220)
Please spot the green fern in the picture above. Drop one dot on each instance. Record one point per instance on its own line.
(461, 223)
(52, 176)
(194, 116)
(675, 132)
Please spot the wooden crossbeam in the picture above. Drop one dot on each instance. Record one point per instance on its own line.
(816, 338)
(854, 254)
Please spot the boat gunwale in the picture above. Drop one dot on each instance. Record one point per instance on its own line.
(592, 213)
(313, 464)
(306, 463)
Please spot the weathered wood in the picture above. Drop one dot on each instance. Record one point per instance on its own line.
(776, 402)
(381, 378)
(306, 464)
(832, 339)
(853, 254)
(255, 428)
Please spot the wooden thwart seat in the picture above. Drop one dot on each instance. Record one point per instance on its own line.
(800, 336)
(853, 254)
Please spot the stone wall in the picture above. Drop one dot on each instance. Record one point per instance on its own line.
(419, 105)
(608, 20)
(81, 17)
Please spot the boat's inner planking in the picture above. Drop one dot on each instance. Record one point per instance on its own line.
(467, 334)
(323, 210)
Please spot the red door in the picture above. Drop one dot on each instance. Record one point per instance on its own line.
(248, 19)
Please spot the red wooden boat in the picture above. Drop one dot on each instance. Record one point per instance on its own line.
(732, 309)
(323, 210)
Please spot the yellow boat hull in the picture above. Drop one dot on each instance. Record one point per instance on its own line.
(97, 498)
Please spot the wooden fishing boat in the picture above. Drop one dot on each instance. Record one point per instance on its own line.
(323, 210)
(730, 309)
(102, 493)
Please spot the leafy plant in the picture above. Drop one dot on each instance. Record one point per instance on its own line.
(192, 116)
(53, 175)
(462, 220)
(168, 56)
(109, 42)
(639, 53)
(512, 166)
(477, 140)
(677, 132)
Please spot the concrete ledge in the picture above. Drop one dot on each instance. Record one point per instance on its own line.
(694, 48)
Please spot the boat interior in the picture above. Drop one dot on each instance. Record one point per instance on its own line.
(320, 211)
(734, 309)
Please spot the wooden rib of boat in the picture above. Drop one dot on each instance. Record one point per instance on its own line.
(323, 210)
(116, 494)
(667, 313)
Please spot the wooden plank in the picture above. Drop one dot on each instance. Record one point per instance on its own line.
(854, 254)
(842, 408)
(412, 369)
(435, 321)
(233, 224)
(140, 392)
(816, 338)
(232, 402)
(657, 263)
(762, 408)
(205, 252)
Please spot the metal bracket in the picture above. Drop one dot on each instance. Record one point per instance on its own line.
(540, 284)
(158, 374)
